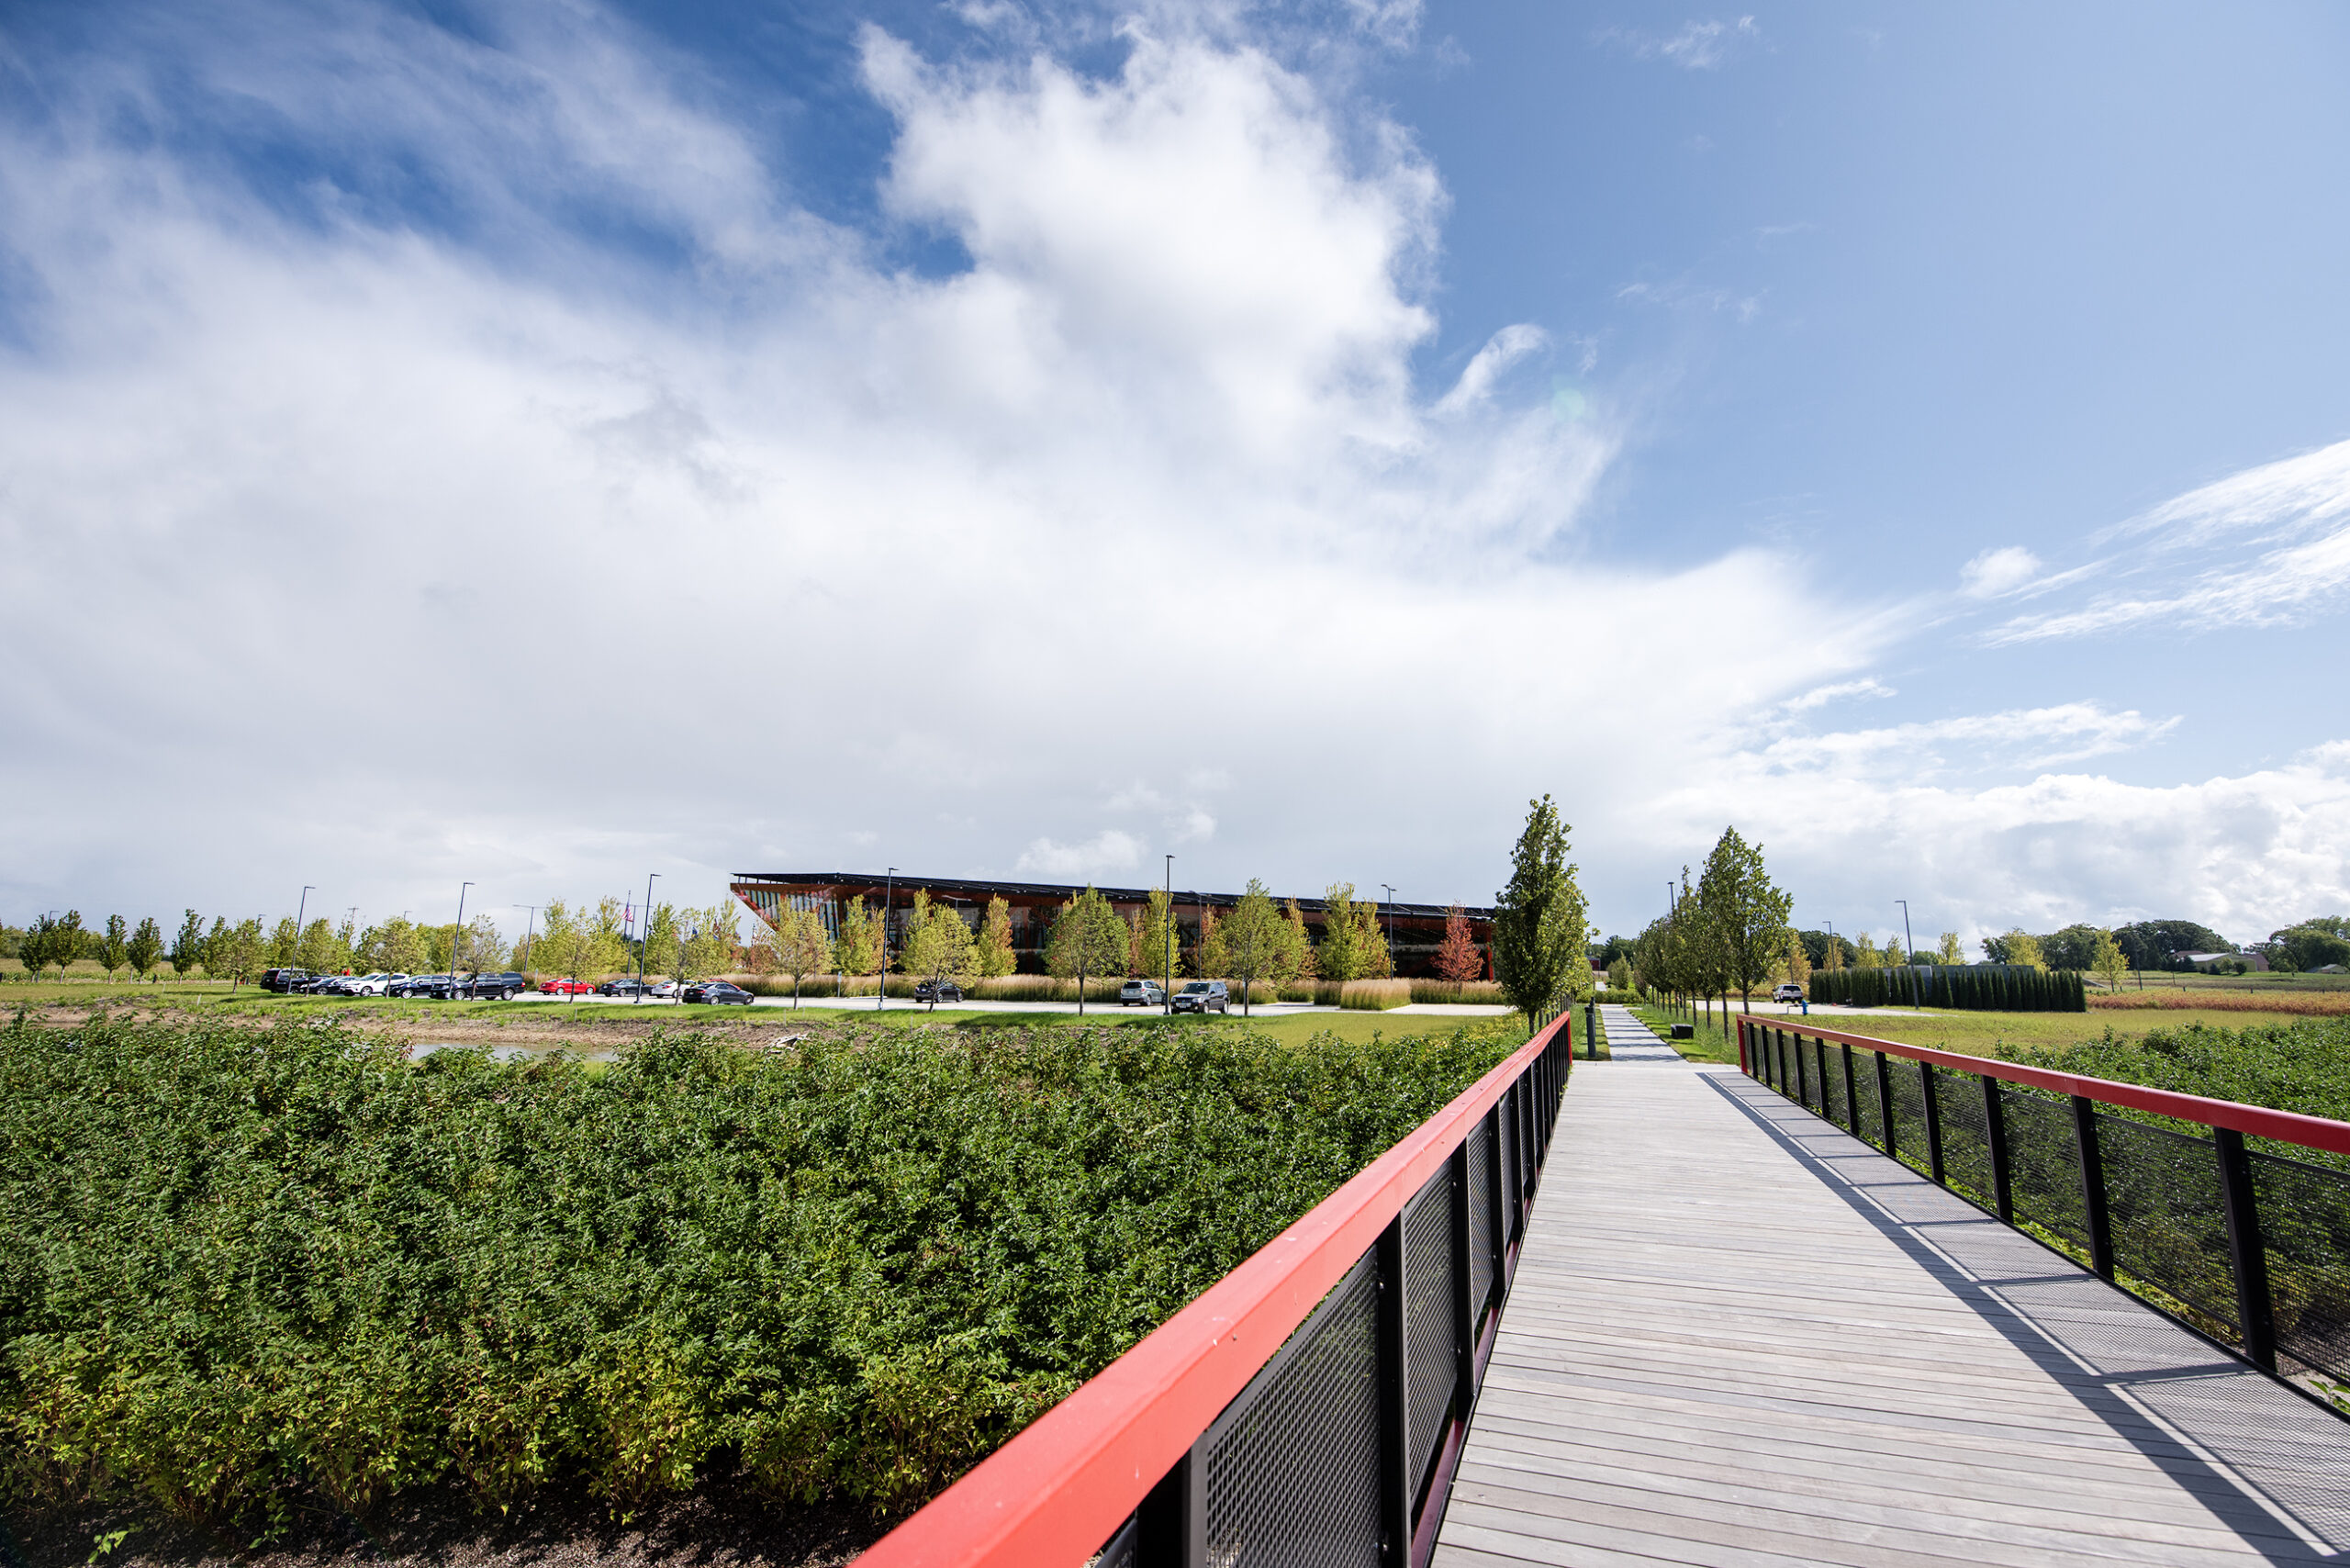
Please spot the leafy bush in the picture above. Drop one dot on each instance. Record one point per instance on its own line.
(2302, 1066)
(243, 1271)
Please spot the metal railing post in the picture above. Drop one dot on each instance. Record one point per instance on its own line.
(1395, 1466)
(2247, 1250)
(1819, 1064)
(1496, 1229)
(1995, 1130)
(1852, 1096)
(1171, 1525)
(1933, 1122)
(2093, 1206)
(1464, 1310)
(1884, 1103)
(1802, 1095)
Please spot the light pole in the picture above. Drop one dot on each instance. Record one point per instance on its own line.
(1166, 990)
(529, 935)
(301, 907)
(888, 899)
(645, 940)
(455, 937)
(1390, 925)
(1908, 943)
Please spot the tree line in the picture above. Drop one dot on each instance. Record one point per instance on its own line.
(1728, 933)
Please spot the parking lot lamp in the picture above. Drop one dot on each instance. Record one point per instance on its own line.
(455, 937)
(645, 939)
(1166, 988)
(1908, 943)
(301, 907)
(1390, 925)
(528, 934)
(888, 898)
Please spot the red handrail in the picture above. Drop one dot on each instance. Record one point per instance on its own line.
(2257, 1120)
(1056, 1492)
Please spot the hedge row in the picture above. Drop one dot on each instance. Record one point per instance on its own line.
(1984, 987)
(247, 1271)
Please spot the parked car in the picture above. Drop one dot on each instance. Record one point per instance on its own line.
(716, 993)
(284, 980)
(627, 985)
(938, 990)
(376, 984)
(1203, 996)
(662, 988)
(1787, 992)
(420, 985)
(505, 986)
(566, 987)
(320, 985)
(1140, 994)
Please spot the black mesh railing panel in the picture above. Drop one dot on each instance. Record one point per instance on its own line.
(1907, 1078)
(2044, 1164)
(2305, 1223)
(1871, 1123)
(1790, 1085)
(1966, 1136)
(2168, 1216)
(1508, 1126)
(1429, 1368)
(1831, 1082)
(1480, 1218)
(1293, 1469)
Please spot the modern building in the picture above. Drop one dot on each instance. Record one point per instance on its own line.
(1415, 930)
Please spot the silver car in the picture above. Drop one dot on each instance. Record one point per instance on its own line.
(1141, 993)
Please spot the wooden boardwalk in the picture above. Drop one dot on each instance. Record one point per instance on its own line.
(1738, 1336)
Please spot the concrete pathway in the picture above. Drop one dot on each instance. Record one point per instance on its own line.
(1740, 1337)
(1628, 1039)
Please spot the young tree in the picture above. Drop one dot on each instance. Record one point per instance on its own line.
(713, 937)
(858, 950)
(145, 948)
(317, 950)
(1295, 959)
(114, 948)
(1087, 938)
(1950, 952)
(1619, 974)
(995, 956)
(938, 947)
(1210, 956)
(1254, 940)
(1155, 940)
(802, 946)
(1747, 911)
(479, 948)
(662, 934)
(2108, 960)
(1339, 954)
(1377, 962)
(188, 948)
(285, 941)
(1798, 962)
(238, 952)
(1539, 932)
(1457, 957)
(210, 957)
(2021, 946)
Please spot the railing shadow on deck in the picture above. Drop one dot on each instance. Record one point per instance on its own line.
(2268, 1463)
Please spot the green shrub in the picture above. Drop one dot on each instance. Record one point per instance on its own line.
(243, 1267)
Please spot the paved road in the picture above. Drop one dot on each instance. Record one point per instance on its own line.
(1740, 1337)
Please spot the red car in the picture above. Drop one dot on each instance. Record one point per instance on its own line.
(566, 988)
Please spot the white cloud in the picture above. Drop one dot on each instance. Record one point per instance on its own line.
(1503, 349)
(1820, 696)
(1693, 46)
(1997, 572)
(2271, 547)
(1109, 850)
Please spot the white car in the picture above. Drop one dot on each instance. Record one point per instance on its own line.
(365, 985)
(1787, 992)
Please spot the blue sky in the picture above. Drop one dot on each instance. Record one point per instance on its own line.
(999, 440)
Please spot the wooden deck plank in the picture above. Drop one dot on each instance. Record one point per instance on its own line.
(1737, 1337)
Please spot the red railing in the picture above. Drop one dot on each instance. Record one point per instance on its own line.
(1054, 1494)
(2248, 1246)
(2254, 1121)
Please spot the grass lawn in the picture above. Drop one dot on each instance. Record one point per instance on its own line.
(1712, 1042)
(1981, 1034)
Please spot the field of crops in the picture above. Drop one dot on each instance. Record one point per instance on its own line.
(248, 1271)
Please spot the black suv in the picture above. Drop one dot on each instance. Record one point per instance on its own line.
(506, 987)
(938, 991)
(420, 985)
(284, 980)
(1202, 997)
(716, 993)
